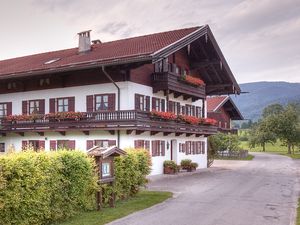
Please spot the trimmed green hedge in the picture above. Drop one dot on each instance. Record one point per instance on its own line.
(130, 173)
(40, 188)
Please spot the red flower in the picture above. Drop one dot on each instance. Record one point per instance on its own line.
(210, 121)
(164, 115)
(193, 80)
(190, 119)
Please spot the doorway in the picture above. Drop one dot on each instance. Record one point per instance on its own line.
(174, 150)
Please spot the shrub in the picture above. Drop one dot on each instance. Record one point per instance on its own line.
(185, 163)
(41, 188)
(194, 165)
(130, 174)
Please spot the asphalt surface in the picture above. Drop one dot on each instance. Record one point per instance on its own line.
(259, 192)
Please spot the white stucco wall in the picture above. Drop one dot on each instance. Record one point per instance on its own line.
(128, 89)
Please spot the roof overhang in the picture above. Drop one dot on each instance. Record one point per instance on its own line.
(230, 108)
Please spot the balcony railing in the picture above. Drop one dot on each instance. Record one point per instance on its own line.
(116, 120)
(170, 81)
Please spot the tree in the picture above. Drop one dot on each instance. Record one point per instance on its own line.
(261, 135)
(272, 110)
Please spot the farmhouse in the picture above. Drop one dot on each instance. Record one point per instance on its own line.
(223, 110)
(148, 91)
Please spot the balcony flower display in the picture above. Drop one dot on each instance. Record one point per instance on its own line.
(164, 115)
(31, 117)
(189, 119)
(192, 80)
(65, 116)
(210, 121)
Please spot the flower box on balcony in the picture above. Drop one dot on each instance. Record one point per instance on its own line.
(192, 80)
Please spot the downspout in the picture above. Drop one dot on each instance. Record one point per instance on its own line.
(119, 94)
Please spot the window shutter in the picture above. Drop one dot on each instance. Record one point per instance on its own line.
(148, 103)
(162, 148)
(178, 108)
(52, 105)
(153, 103)
(198, 111)
(71, 144)
(71, 104)
(89, 144)
(24, 145)
(137, 101)
(42, 145)
(153, 150)
(112, 102)
(42, 106)
(136, 143)
(193, 110)
(171, 106)
(112, 142)
(9, 108)
(203, 147)
(163, 105)
(183, 147)
(147, 145)
(24, 107)
(52, 145)
(89, 103)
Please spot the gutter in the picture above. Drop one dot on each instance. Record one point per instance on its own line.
(119, 94)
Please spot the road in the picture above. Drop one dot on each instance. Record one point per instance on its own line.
(259, 192)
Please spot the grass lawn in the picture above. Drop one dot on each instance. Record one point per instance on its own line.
(249, 157)
(144, 199)
(277, 148)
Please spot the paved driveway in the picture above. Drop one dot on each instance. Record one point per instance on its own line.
(259, 192)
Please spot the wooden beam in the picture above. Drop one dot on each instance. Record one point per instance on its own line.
(129, 132)
(189, 134)
(41, 133)
(86, 132)
(167, 133)
(20, 133)
(138, 132)
(197, 65)
(178, 134)
(112, 132)
(154, 132)
(176, 94)
(63, 133)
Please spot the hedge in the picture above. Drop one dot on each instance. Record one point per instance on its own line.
(41, 188)
(130, 173)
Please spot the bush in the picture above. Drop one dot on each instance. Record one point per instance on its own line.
(194, 165)
(41, 188)
(170, 164)
(130, 174)
(185, 164)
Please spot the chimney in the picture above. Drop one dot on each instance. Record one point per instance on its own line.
(84, 44)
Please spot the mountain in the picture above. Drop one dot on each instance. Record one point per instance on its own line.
(261, 94)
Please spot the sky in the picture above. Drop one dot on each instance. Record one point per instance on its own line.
(260, 39)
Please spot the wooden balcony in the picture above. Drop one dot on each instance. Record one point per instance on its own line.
(169, 81)
(129, 120)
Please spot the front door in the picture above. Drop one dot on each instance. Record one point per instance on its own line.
(174, 150)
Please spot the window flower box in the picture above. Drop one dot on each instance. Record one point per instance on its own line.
(164, 115)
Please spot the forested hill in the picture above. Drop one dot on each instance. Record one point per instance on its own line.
(262, 94)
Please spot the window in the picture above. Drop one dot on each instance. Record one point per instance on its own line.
(198, 112)
(34, 106)
(3, 109)
(192, 147)
(2, 147)
(106, 169)
(158, 148)
(142, 102)
(62, 105)
(44, 81)
(68, 144)
(11, 85)
(188, 110)
(101, 102)
(36, 145)
(100, 143)
(142, 144)
(158, 104)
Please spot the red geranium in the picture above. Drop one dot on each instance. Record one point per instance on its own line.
(210, 121)
(193, 80)
(190, 119)
(164, 115)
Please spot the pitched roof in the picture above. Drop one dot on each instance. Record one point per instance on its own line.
(216, 102)
(131, 48)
